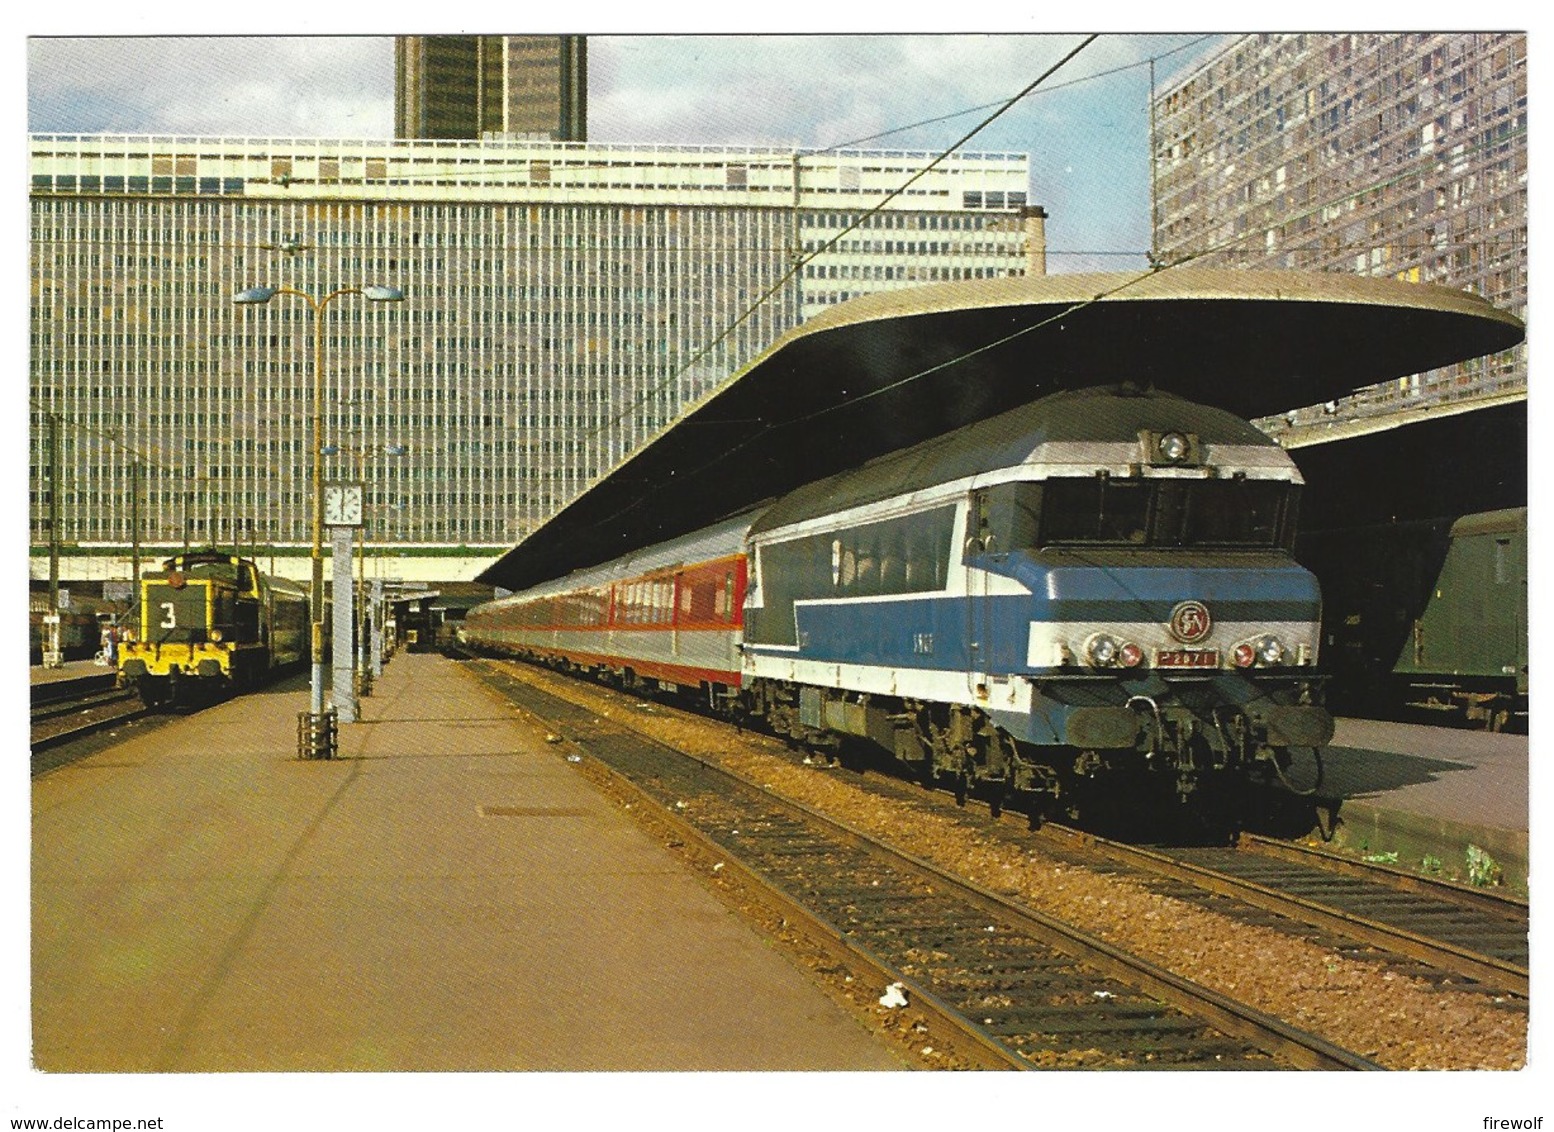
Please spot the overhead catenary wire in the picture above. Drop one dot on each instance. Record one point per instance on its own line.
(801, 260)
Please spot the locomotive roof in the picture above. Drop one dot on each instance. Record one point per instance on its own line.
(885, 371)
(1083, 416)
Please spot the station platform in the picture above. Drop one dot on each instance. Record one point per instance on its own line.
(447, 895)
(1432, 793)
(70, 670)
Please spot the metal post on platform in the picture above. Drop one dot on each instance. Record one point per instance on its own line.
(254, 296)
(316, 734)
(377, 628)
(52, 653)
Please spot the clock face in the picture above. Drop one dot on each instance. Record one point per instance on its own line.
(343, 505)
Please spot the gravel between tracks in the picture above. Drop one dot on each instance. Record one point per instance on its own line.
(1396, 1021)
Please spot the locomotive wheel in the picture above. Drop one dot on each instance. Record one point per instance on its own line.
(996, 800)
(152, 690)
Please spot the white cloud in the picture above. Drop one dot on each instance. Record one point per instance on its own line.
(219, 85)
(804, 90)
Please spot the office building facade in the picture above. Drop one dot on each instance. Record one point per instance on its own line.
(562, 304)
(475, 86)
(1383, 154)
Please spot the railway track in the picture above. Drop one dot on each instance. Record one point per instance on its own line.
(66, 714)
(55, 692)
(1018, 988)
(1466, 933)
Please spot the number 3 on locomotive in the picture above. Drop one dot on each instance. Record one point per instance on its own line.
(171, 620)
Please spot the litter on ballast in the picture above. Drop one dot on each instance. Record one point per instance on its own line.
(894, 996)
(1103, 994)
(717, 866)
(552, 737)
(574, 758)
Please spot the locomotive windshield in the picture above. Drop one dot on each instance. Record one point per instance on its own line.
(1099, 511)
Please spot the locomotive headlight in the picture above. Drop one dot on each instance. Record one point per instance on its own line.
(1129, 655)
(1244, 655)
(215, 635)
(1270, 650)
(1102, 650)
(1173, 448)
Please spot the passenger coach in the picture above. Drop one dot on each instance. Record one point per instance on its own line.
(667, 618)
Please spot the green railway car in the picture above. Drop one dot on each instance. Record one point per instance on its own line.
(1426, 620)
(1467, 650)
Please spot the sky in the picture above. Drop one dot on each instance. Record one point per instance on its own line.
(1085, 128)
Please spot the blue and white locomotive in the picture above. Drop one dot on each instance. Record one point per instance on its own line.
(1090, 593)
(1082, 601)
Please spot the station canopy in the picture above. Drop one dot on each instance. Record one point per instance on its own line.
(888, 370)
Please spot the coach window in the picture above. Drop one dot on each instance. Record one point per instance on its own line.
(866, 539)
(892, 550)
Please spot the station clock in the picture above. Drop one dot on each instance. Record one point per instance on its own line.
(343, 505)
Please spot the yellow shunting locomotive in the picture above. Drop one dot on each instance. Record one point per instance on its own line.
(210, 624)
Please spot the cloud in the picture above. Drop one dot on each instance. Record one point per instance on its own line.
(805, 90)
(261, 86)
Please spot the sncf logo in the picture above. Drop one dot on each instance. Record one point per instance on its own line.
(1190, 622)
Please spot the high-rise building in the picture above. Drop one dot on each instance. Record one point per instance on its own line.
(562, 303)
(1381, 154)
(475, 86)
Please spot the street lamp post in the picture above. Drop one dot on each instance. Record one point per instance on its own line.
(316, 736)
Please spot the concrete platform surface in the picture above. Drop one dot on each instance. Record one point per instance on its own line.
(1432, 792)
(69, 670)
(1469, 776)
(447, 895)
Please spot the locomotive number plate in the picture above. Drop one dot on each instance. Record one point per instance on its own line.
(1187, 658)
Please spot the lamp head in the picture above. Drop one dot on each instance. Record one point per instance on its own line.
(384, 294)
(254, 295)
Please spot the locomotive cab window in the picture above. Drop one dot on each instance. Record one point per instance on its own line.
(1167, 513)
(1095, 511)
